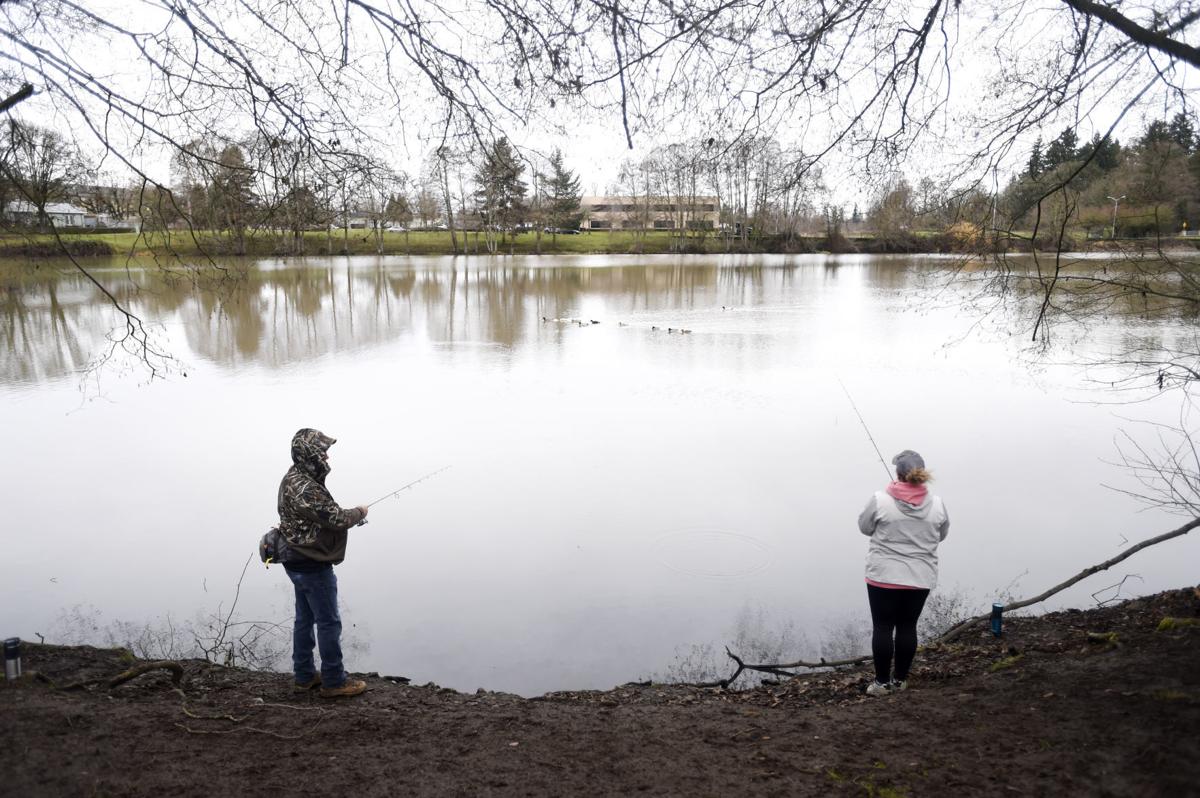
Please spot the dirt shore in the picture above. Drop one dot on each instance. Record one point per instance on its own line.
(1102, 702)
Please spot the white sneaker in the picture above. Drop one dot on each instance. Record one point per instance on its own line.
(875, 688)
(897, 686)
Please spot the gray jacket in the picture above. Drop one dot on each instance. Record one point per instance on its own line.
(904, 539)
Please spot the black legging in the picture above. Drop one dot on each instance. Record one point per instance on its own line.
(894, 611)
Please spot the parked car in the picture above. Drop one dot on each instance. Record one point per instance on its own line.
(562, 231)
(397, 229)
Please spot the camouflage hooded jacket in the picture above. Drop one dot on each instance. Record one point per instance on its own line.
(313, 523)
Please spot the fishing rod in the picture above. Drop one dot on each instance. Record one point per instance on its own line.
(866, 429)
(403, 488)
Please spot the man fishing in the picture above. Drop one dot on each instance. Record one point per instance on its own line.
(315, 527)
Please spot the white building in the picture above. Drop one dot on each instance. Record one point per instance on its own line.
(61, 214)
(650, 213)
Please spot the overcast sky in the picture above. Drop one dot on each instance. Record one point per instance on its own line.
(399, 114)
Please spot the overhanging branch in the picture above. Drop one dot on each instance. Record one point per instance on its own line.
(1151, 38)
(20, 95)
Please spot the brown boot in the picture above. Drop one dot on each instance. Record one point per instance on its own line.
(351, 687)
(304, 687)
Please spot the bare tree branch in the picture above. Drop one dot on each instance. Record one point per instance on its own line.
(23, 93)
(1150, 38)
(955, 632)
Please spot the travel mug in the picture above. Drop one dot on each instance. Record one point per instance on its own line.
(12, 658)
(997, 620)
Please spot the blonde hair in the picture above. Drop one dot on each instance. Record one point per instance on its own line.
(918, 476)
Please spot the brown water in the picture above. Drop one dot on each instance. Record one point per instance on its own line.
(616, 493)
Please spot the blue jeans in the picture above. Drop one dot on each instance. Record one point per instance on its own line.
(316, 603)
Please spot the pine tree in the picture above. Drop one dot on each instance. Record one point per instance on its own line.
(1157, 131)
(1182, 131)
(1036, 165)
(500, 196)
(1062, 149)
(231, 195)
(1108, 152)
(562, 194)
(398, 210)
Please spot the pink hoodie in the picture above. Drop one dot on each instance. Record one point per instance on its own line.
(907, 492)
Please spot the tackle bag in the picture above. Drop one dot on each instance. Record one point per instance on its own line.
(273, 547)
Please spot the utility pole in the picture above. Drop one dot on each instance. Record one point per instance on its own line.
(1116, 202)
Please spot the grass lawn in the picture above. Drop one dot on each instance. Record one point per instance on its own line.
(362, 242)
(18, 246)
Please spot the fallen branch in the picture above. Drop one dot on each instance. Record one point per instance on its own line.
(775, 669)
(782, 668)
(1116, 588)
(137, 670)
(124, 676)
(723, 683)
(953, 633)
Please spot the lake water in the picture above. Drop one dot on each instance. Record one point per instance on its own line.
(617, 494)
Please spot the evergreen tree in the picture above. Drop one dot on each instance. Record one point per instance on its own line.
(1062, 149)
(398, 210)
(500, 196)
(231, 199)
(1182, 131)
(562, 194)
(1036, 166)
(1157, 131)
(1108, 152)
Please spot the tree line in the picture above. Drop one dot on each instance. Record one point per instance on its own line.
(1099, 188)
(1149, 187)
(768, 194)
(284, 189)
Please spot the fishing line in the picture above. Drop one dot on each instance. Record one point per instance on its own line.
(403, 488)
(732, 555)
(866, 429)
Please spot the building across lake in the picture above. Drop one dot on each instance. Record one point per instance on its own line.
(60, 214)
(650, 213)
(63, 214)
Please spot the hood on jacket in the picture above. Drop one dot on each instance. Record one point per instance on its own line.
(913, 500)
(309, 447)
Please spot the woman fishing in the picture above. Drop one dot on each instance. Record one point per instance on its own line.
(905, 523)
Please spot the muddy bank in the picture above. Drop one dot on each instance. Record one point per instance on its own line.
(1102, 702)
